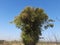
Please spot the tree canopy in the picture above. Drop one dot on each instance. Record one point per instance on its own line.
(32, 21)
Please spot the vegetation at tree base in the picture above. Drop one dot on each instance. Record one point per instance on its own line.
(32, 21)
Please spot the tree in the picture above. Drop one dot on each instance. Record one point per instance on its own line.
(32, 21)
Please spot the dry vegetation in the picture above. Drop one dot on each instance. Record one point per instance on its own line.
(43, 43)
(20, 43)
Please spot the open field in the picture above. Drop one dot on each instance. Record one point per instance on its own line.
(42, 43)
(2, 42)
(48, 43)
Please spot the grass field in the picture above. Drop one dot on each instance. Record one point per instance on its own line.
(47, 43)
(20, 43)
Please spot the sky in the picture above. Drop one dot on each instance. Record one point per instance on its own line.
(11, 8)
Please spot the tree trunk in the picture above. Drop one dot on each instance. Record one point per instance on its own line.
(31, 43)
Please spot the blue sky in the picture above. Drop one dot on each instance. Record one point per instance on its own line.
(11, 8)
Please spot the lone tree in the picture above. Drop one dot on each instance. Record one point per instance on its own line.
(32, 21)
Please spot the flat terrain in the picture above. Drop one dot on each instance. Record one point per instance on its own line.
(45, 43)
(20, 43)
(48, 43)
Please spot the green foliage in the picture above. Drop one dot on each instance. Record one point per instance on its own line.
(31, 20)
